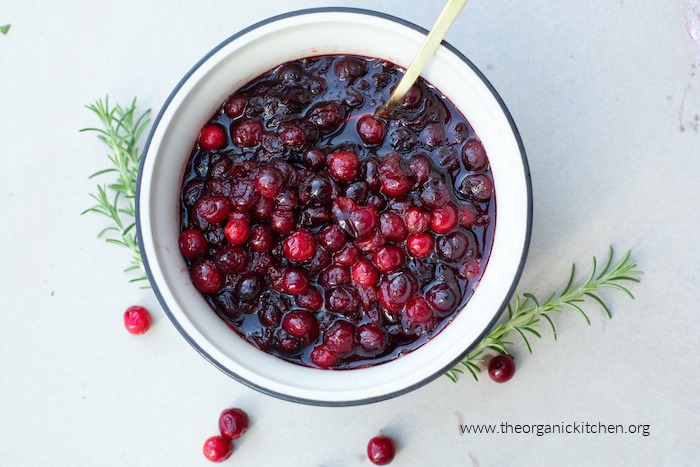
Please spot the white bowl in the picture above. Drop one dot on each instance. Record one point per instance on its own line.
(245, 56)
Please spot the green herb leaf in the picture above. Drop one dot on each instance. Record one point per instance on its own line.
(5, 29)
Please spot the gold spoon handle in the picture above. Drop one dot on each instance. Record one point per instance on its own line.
(425, 53)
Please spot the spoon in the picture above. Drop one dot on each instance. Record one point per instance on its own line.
(425, 53)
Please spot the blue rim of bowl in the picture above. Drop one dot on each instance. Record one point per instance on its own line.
(424, 381)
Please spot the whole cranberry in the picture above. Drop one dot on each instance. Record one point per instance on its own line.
(371, 130)
(478, 187)
(295, 281)
(137, 319)
(456, 246)
(348, 255)
(370, 337)
(350, 69)
(469, 270)
(432, 135)
(389, 258)
(235, 106)
(249, 286)
(442, 297)
(269, 181)
(340, 337)
(474, 155)
(444, 219)
(233, 423)
(213, 208)
(247, 132)
(342, 299)
(412, 97)
(292, 135)
(206, 277)
(344, 166)
(300, 323)
(417, 220)
(283, 221)
(323, 357)
(314, 159)
(237, 231)
(262, 238)
(332, 238)
(418, 311)
(334, 275)
(435, 193)
(395, 291)
(212, 137)
(371, 242)
(364, 273)
(420, 165)
(231, 259)
(311, 300)
(381, 450)
(420, 245)
(326, 116)
(501, 368)
(192, 243)
(299, 246)
(358, 221)
(392, 227)
(217, 448)
(393, 179)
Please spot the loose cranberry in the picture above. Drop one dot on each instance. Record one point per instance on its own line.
(262, 238)
(418, 311)
(389, 258)
(212, 137)
(417, 220)
(420, 165)
(192, 244)
(443, 298)
(235, 106)
(477, 186)
(249, 286)
(314, 159)
(269, 181)
(364, 273)
(370, 337)
(206, 277)
(467, 215)
(295, 281)
(233, 423)
(237, 231)
(326, 116)
(231, 259)
(299, 246)
(283, 221)
(213, 208)
(393, 179)
(348, 255)
(218, 448)
(473, 155)
(501, 368)
(420, 245)
(350, 69)
(435, 193)
(371, 242)
(344, 166)
(332, 238)
(137, 319)
(444, 219)
(371, 130)
(392, 227)
(340, 337)
(323, 357)
(247, 132)
(395, 291)
(300, 323)
(312, 299)
(381, 450)
(456, 246)
(292, 135)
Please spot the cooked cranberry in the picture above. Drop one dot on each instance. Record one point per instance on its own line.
(322, 189)
(341, 299)
(312, 299)
(389, 258)
(332, 238)
(235, 106)
(456, 246)
(323, 357)
(467, 215)
(220, 186)
(326, 116)
(340, 337)
(299, 246)
(369, 172)
(444, 219)
(381, 450)
(213, 208)
(334, 276)
(192, 244)
(244, 195)
(287, 344)
(212, 137)
(473, 155)
(288, 199)
(432, 135)
(243, 169)
(370, 337)
(417, 220)
(283, 221)
(477, 186)
(350, 69)
(403, 139)
(357, 192)
(392, 227)
(348, 255)
(247, 132)
(217, 448)
(269, 315)
(320, 260)
(206, 277)
(371, 242)
(442, 297)
(269, 181)
(295, 281)
(233, 423)
(344, 166)
(292, 135)
(192, 191)
(393, 179)
(237, 231)
(435, 193)
(315, 217)
(249, 286)
(501, 368)
(377, 201)
(314, 159)
(137, 319)
(300, 323)
(358, 221)
(412, 97)
(371, 130)
(364, 273)
(469, 270)
(231, 259)
(420, 165)
(395, 291)
(261, 262)
(262, 238)
(420, 245)
(418, 311)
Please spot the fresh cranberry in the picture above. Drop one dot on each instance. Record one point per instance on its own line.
(392, 227)
(262, 238)
(249, 286)
(192, 244)
(393, 179)
(444, 219)
(231, 259)
(350, 69)
(370, 337)
(235, 106)
(420, 245)
(300, 323)
(435, 193)
(443, 298)
(395, 291)
(417, 220)
(389, 258)
(420, 165)
(206, 277)
(467, 215)
(477, 186)
(269, 181)
(473, 155)
(295, 281)
(348, 255)
(418, 311)
(344, 166)
(364, 273)
(233, 423)
(334, 276)
(371, 242)
(299, 246)
(326, 116)
(455, 246)
(381, 450)
(137, 319)
(340, 337)
(283, 221)
(213, 208)
(323, 357)
(247, 132)
(332, 238)
(237, 231)
(501, 368)
(292, 135)
(218, 448)
(311, 300)
(212, 137)
(371, 130)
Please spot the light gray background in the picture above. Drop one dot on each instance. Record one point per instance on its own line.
(606, 95)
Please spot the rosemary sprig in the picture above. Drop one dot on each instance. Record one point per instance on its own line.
(526, 313)
(121, 129)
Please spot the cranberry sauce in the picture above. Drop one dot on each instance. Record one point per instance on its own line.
(325, 235)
